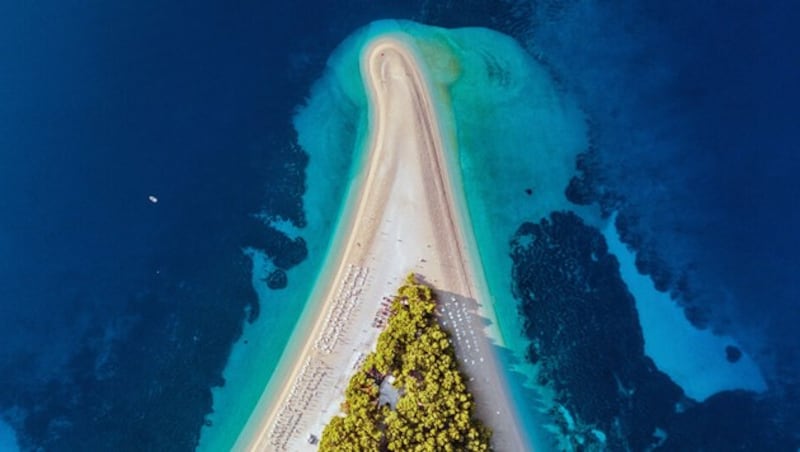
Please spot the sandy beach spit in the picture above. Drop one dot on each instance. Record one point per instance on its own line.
(402, 218)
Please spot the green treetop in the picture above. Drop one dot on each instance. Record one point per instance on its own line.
(434, 410)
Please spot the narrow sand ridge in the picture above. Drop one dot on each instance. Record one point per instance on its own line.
(402, 218)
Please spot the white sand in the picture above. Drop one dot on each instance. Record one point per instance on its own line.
(402, 218)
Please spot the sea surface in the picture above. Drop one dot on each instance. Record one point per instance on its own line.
(171, 175)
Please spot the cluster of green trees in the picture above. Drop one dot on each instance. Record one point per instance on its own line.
(434, 410)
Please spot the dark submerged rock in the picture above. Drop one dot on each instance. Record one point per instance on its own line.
(588, 346)
(732, 353)
(578, 192)
(277, 280)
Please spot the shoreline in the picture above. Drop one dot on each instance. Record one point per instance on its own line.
(469, 254)
(372, 259)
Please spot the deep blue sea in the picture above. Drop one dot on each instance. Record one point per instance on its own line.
(140, 142)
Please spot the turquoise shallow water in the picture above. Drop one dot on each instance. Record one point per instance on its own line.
(517, 142)
(331, 126)
(517, 139)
